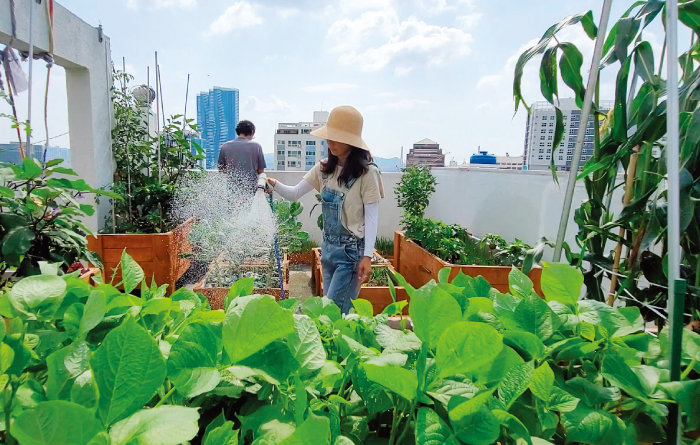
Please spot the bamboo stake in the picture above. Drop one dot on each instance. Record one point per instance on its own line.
(629, 190)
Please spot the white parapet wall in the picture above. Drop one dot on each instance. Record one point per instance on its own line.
(510, 203)
(85, 55)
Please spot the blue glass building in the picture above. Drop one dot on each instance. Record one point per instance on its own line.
(217, 117)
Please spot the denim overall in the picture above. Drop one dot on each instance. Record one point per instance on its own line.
(341, 250)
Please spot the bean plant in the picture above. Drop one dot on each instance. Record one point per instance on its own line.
(97, 365)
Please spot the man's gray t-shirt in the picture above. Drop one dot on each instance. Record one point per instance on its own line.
(242, 158)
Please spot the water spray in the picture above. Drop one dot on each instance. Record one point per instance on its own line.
(265, 187)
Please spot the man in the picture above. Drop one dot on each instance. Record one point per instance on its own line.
(242, 158)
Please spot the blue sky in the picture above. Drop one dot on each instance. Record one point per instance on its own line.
(440, 69)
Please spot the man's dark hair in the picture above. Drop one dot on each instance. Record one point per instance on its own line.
(245, 128)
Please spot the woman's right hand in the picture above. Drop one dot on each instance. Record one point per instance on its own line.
(271, 181)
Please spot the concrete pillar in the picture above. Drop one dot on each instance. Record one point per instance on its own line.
(85, 56)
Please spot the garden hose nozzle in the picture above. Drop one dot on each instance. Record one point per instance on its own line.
(263, 184)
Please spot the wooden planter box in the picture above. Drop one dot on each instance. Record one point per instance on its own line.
(379, 296)
(158, 254)
(418, 266)
(217, 295)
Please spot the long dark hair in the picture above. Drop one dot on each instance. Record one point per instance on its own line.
(355, 165)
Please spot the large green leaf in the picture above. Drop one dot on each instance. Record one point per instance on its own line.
(164, 425)
(514, 383)
(591, 393)
(38, 296)
(472, 421)
(363, 307)
(519, 284)
(686, 395)
(315, 430)
(644, 62)
(132, 274)
(561, 282)
(16, 243)
(534, 316)
(56, 422)
(220, 432)
(395, 340)
(252, 323)
(590, 426)
(466, 346)
(193, 359)
(548, 74)
(94, 311)
(619, 373)
(616, 321)
(242, 287)
(542, 382)
(516, 428)
(527, 344)
(398, 380)
(128, 369)
(64, 367)
(432, 313)
(570, 64)
(305, 344)
(430, 429)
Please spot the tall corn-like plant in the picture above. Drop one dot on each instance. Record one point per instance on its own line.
(632, 132)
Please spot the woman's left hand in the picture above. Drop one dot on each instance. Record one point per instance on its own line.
(363, 269)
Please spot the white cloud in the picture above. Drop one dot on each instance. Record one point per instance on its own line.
(272, 105)
(439, 6)
(239, 15)
(379, 38)
(399, 105)
(469, 21)
(161, 4)
(329, 87)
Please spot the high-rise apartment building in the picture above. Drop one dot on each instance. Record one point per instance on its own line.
(426, 153)
(539, 135)
(9, 152)
(295, 148)
(217, 117)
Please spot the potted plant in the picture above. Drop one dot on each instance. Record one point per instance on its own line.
(148, 170)
(292, 240)
(41, 211)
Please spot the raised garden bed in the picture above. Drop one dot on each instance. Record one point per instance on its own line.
(160, 255)
(418, 266)
(378, 292)
(222, 274)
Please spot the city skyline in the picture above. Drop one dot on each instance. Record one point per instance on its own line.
(217, 117)
(415, 69)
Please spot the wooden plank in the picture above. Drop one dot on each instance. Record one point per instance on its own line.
(126, 240)
(137, 253)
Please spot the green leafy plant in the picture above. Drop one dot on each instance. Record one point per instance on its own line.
(85, 364)
(148, 168)
(292, 238)
(385, 246)
(632, 138)
(413, 193)
(451, 243)
(41, 217)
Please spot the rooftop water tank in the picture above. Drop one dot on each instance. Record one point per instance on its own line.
(483, 158)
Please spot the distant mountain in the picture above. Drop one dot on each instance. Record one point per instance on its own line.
(388, 164)
(384, 164)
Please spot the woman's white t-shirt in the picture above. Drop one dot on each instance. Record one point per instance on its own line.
(367, 189)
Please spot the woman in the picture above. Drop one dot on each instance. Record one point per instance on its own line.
(350, 187)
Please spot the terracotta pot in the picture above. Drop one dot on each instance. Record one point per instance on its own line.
(158, 254)
(418, 266)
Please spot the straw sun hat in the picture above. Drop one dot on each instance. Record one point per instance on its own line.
(344, 125)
